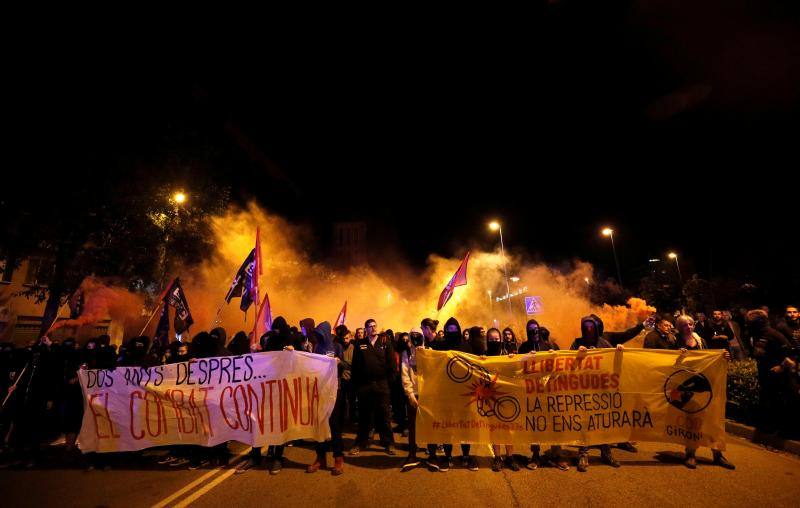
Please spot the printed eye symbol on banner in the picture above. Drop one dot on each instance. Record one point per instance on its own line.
(489, 400)
(688, 391)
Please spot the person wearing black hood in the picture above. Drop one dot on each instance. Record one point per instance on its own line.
(280, 338)
(136, 354)
(538, 339)
(592, 337)
(452, 341)
(325, 345)
(240, 344)
(373, 368)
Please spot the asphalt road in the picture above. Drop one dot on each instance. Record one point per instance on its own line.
(653, 476)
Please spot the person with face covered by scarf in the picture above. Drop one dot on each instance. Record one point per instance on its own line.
(178, 455)
(280, 338)
(477, 339)
(538, 339)
(136, 354)
(240, 344)
(494, 343)
(453, 341)
(325, 345)
(592, 338)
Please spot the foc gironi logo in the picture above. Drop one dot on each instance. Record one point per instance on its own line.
(688, 391)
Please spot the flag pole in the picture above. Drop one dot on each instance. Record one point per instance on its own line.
(160, 303)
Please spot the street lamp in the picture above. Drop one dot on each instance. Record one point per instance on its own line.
(673, 255)
(495, 226)
(179, 197)
(610, 233)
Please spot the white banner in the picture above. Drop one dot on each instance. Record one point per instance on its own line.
(257, 399)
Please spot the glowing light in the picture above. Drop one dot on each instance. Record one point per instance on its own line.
(672, 255)
(494, 225)
(607, 231)
(514, 279)
(586, 279)
(179, 197)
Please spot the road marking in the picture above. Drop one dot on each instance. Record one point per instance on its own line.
(187, 488)
(206, 488)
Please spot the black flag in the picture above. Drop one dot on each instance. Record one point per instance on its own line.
(243, 282)
(176, 298)
(162, 330)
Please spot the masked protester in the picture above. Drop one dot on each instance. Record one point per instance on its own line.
(495, 348)
(178, 456)
(408, 362)
(372, 371)
(325, 345)
(477, 338)
(279, 338)
(538, 339)
(687, 340)
(453, 341)
(240, 344)
(72, 399)
(591, 338)
(494, 343)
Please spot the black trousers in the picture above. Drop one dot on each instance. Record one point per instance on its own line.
(336, 422)
(373, 400)
(412, 428)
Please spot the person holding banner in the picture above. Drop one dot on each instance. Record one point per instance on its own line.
(495, 349)
(453, 341)
(408, 371)
(688, 340)
(325, 345)
(591, 338)
(538, 339)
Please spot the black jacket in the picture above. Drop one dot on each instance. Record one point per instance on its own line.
(372, 364)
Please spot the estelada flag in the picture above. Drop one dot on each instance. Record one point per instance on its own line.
(176, 298)
(242, 283)
(459, 279)
(342, 316)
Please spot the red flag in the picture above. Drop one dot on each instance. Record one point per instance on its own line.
(342, 316)
(264, 318)
(459, 279)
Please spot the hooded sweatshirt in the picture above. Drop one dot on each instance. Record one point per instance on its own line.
(326, 345)
(281, 336)
(240, 344)
(453, 340)
(537, 340)
(591, 340)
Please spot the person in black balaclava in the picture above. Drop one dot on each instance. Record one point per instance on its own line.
(326, 345)
(453, 341)
(494, 343)
(536, 341)
(477, 339)
(592, 337)
(240, 344)
(136, 354)
(178, 455)
(280, 338)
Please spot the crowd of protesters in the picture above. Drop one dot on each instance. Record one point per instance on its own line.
(378, 391)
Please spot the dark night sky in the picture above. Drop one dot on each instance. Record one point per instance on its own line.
(673, 121)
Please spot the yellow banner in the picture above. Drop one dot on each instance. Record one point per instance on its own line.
(601, 396)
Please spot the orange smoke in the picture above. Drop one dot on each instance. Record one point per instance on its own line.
(397, 296)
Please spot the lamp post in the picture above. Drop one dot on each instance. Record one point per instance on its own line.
(495, 226)
(610, 233)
